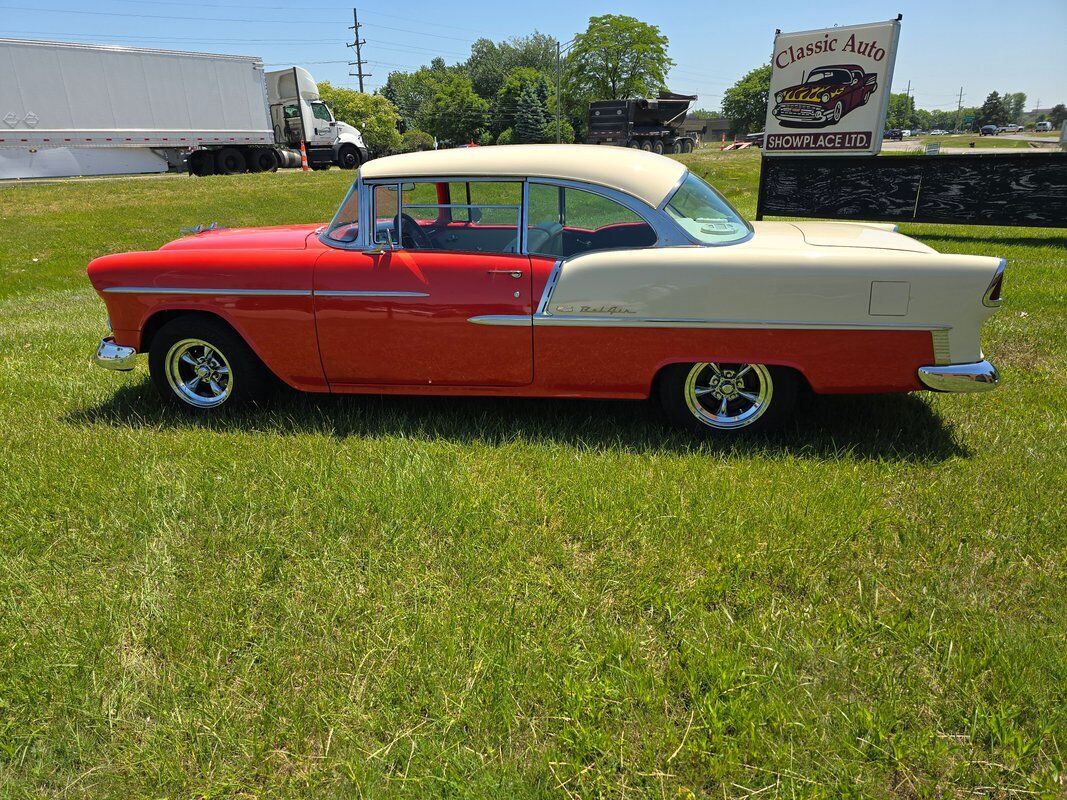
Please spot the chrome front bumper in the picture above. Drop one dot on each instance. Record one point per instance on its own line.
(979, 377)
(114, 356)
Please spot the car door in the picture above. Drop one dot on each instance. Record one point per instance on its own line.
(404, 316)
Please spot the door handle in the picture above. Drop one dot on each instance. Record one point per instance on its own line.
(515, 273)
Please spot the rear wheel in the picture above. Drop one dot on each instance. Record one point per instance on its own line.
(263, 159)
(230, 161)
(636, 145)
(688, 147)
(657, 147)
(727, 399)
(202, 163)
(646, 145)
(200, 365)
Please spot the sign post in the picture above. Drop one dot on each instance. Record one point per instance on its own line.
(830, 90)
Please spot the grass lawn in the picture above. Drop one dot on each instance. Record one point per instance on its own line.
(965, 140)
(396, 597)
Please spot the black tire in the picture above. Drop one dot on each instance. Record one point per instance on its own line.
(202, 163)
(262, 159)
(657, 147)
(689, 147)
(678, 147)
(348, 157)
(246, 380)
(680, 384)
(230, 161)
(636, 145)
(646, 145)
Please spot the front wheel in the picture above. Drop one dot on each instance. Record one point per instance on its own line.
(200, 365)
(348, 157)
(709, 399)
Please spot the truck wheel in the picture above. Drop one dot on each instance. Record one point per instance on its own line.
(263, 159)
(636, 145)
(678, 147)
(202, 163)
(717, 399)
(646, 145)
(657, 147)
(348, 157)
(687, 147)
(200, 365)
(230, 161)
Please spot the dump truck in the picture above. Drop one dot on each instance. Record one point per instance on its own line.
(647, 123)
(69, 109)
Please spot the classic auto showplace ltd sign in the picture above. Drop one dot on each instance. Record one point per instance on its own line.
(830, 89)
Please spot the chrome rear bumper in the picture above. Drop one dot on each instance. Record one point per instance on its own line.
(979, 377)
(114, 356)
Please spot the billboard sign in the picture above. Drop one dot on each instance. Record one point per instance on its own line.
(830, 90)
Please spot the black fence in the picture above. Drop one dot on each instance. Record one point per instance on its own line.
(980, 189)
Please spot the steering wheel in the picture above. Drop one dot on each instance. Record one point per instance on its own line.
(412, 230)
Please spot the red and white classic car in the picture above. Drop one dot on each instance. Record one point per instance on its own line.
(825, 96)
(550, 271)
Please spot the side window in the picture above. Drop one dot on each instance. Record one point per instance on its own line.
(474, 217)
(386, 208)
(321, 111)
(564, 222)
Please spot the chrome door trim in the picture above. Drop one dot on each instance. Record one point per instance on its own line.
(197, 290)
(577, 321)
(362, 293)
(503, 320)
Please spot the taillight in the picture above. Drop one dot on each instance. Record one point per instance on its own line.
(991, 297)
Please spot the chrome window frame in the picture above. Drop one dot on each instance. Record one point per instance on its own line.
(668, 232)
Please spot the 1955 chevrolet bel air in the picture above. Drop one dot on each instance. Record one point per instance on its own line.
(550, 271)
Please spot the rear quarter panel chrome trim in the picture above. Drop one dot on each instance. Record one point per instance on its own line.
(360, 293)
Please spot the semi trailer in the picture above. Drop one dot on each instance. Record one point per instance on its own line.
(70, 109)
(648, 123)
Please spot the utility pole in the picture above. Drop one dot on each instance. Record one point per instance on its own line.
(959, 110)
(357, 43)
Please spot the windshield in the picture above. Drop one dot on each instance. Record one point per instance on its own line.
(832, 76)
(705, 215)
(345, 225)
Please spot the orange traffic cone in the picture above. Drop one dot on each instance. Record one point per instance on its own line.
(303, 157)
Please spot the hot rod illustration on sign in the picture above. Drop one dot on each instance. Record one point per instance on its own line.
(825, 96)
(550, 271)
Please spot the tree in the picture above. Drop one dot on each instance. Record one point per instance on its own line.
(1016, 103)
(745, 103)
(374, 115)
(455, 114)
(414, 140)
(530, 117)
(490, 63)
(412, 92)
(994, 111)
(507, 98)
(704, 113)
(617, 58)
(902, 112)
(1057, 115)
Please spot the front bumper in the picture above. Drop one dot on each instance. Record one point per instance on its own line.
(802, 112)
(114, 356)
(979, 377)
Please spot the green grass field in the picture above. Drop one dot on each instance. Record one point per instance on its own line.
(965, 140)
(397, 597)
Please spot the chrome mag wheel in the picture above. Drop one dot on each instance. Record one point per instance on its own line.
(728, 396)
(199, 373)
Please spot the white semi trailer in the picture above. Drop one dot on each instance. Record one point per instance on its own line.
(75, 109)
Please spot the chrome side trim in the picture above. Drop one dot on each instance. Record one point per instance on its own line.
(575, 320)
(994, 285)
(503, 320)
(978, 377)
(114, 356)
(208, 291)
(550, 284)
(360, 293)
(942, 347)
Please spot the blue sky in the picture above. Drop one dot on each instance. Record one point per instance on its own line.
(979, 45)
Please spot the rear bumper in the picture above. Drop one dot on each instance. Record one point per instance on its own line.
(979, 377)
(114, 356)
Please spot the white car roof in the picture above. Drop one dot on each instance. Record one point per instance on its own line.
(646, 176)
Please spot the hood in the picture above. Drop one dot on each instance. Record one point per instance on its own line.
(279, 237)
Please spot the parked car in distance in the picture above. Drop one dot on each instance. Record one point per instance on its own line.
(1043, 126)
(893, 133)
(1012, 128)
(938, 132)
(988, 130)
(550, 271)
(906, 132)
